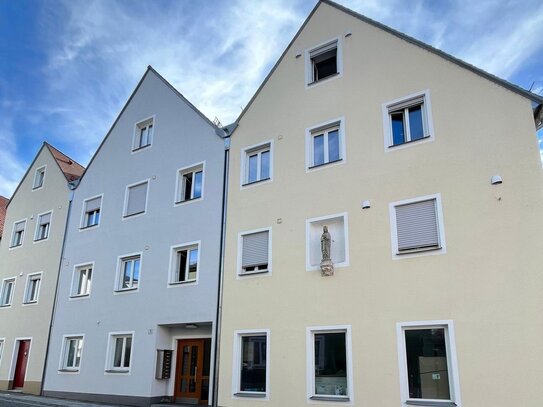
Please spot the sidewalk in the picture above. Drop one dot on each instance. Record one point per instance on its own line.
(19, 399)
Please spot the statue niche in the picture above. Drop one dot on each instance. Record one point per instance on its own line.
(327, 266)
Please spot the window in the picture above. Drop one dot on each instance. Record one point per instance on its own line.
(255, 252)
(185, 264)
(81, 283)
(190, 183)
(417, 226)
(407, 120)
(91, 212)
(129, 273)
(32, 290)
(18, 233)
(251, 353)
(257, 164)
(42, 227)
(6, 295)
(71, 357)
(325, 144)
(136, 199)
(323, 61)
(339, 248)
(1, 349)
(427, 357)
(120, 352)
(329, 363)
(143, 135)
(39, 177)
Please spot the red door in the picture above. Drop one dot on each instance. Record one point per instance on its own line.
(20, 367)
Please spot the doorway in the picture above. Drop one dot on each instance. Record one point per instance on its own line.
(20, 365)
(192, 371)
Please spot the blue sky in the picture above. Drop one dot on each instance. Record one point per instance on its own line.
(68, 67)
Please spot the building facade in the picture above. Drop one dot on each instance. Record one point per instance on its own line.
(384, 208)
(137, 297)
(30, 253)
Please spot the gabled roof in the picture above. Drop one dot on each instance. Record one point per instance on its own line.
(71, 169)
(535, 98)
(218, 131)
(3, 206)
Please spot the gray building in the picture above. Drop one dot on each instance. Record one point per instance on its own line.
(137, 295)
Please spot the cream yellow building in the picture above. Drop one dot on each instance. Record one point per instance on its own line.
(29, 264)
(426, 172)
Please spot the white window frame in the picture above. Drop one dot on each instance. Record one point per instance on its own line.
(12, 294)
(42, 169)
(126, 195)
(245, 153)
(38, 227)
(82, 226)
(109, 368)
(309, 80)
(179, 187)
(173, 262)
(394, 229)
(75, 279)
(236, 366)
(427, 121)
(325, 127)
(62, 366)
(2, 345)
(120, 261)
(137, 129)
(29, 278)
(312, 397)
(258, 273)
(11, 246)
(308, 223)
(452, 362)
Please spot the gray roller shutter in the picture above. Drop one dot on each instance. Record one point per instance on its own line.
(255, 249)
(136, 199)
(417, 226)
(93, 204)
(20, 227)
(45, 219)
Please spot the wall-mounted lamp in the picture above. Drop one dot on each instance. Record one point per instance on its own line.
(191, 326)
(348, 34)
(366, 205)
(298, 54)
(496, 179)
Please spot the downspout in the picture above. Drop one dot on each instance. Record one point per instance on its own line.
(221, 274)
(71, 186)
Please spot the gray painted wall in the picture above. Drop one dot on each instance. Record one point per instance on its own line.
(181, 138)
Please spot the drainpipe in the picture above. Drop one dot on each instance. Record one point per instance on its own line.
(215, 388)
(71, 186)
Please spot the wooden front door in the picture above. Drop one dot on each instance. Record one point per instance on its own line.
(192, 372)
(20, 366)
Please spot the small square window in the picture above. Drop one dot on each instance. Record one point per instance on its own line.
(6, 294)
(18, 233)
(185, 264)
(417, 225)
(136, 199)
(257, 164)
(39, 178)
(323, 61)
(407, 120)
(329, 359)
(120, 353)
(251, 375)
(91, 212)
(255, 252)
(82, 281)
(190, 183)
(325, 144)
(71, 357)
(143, 134)
(32, 290)
(129, 273)
(42, 227)
(428, 363)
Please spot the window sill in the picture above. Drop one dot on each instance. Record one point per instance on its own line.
(418, 250)
(5, 305)
(335, 75)
(89, 226)
(134, 214)
(67, 370)
(124, 290)
(17, 245)
(250, 273)
(80, 296)
(118, 371)
(331, 398)
(323, 164)
(250, 395)
(255, 182)
(38, 187)
(30, 302)
(42, 239)
(141, 148)
(433, 403)
(174, 283)
(410, 141)
(188, 200)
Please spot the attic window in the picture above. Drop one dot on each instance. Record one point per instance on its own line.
(143, 134)
(323, 61)
(39, 178)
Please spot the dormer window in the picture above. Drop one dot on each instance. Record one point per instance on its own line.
(143, 135)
